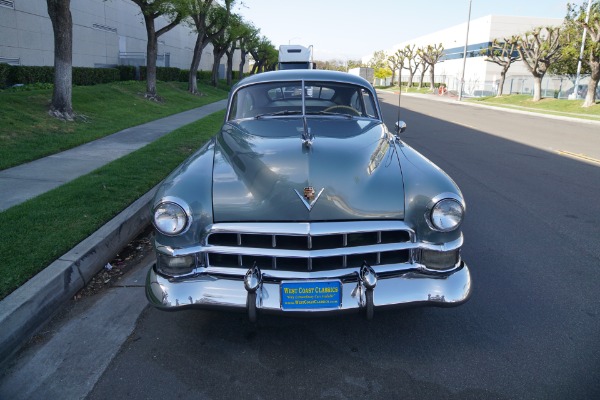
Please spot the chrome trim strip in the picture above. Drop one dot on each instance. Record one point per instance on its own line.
(340, 251)
(350, 274)
(312, 228)
(337, 251)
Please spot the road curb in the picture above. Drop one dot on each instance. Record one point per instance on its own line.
(25, 310)
(494, 107)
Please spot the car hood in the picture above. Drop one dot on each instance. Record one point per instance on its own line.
(262, 169)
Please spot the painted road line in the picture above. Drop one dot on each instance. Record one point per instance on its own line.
(578, 156)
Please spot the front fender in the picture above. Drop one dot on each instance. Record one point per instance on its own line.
(191, 180)
(424, 181)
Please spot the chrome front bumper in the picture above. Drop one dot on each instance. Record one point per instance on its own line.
(408, 287)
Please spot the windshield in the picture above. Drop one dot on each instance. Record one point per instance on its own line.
(276, 99)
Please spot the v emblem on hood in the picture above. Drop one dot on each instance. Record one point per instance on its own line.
(308, 197)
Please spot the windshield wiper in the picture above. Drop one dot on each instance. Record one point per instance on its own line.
(278, 113)
(347, 116)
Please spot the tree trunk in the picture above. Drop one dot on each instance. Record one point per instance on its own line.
(229, 67)
(590, 97)
(501, 84)
(196, 58)
(151, 53)
(62, 25)
(422, 75)
(242, 63)
(215, 68)
(411, 75)
(537, 88)
(431, 79)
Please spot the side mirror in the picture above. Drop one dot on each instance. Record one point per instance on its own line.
(400, 127)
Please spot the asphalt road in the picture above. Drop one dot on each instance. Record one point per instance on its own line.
(530, 331)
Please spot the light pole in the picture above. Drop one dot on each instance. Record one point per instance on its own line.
(462, 76)
(587, 18)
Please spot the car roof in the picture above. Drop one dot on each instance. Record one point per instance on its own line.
(303, 74)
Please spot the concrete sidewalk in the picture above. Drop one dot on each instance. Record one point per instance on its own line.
(25, 310)
(29, 180)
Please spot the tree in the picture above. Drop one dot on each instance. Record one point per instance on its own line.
(237, 30)
(151, 10)
(382, 73)
(538, 49)
(332, 65)
(577, 16)
(396, 63)
(210, 19)
(422, 66)
(379, 64)
(265, 56)
(355, 64)
(503, 53)
(62, 25)
(378, 61)
(431, 55)
(225, 44)
(247, 41)
(412, 62)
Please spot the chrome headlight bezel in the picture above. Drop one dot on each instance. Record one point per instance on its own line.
(445, 212)
(178, 209)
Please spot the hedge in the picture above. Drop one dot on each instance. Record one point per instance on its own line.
(4, 72)
(167, 74)
(84, 76)
(26, 75)
(126, 72)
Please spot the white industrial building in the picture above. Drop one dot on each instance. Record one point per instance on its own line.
(105, 33)
(481, 77)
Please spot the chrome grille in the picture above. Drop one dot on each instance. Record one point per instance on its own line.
(308, 247)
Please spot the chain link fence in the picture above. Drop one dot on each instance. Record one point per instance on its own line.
(556, 86)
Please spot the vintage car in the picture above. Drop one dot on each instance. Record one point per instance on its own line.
(305, 203)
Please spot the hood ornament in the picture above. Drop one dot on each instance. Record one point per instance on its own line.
(307, 137)
(308, 197)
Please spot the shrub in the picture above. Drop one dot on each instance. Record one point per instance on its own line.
(26, 74)
(126, 72)
(84, 76)
(4, 72)
(164, 74)
(184, 75)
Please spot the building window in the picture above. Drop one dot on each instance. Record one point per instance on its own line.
(7, 4)
(10, 61)
(103, 27)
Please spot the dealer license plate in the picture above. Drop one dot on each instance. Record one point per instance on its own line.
(311, 295)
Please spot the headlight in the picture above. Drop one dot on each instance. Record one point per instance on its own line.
(170, 218)
(446, 215)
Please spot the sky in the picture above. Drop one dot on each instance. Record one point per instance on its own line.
(353, 29)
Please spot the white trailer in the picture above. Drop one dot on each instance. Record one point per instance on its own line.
(294, 56)
(364, 72)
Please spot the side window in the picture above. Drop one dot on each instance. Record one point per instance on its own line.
(242, 105)
(370, 108)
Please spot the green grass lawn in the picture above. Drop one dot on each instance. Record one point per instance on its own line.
(570, 108)
(27, 132)
(37, 232)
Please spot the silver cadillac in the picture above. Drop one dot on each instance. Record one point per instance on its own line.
(305, 203)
